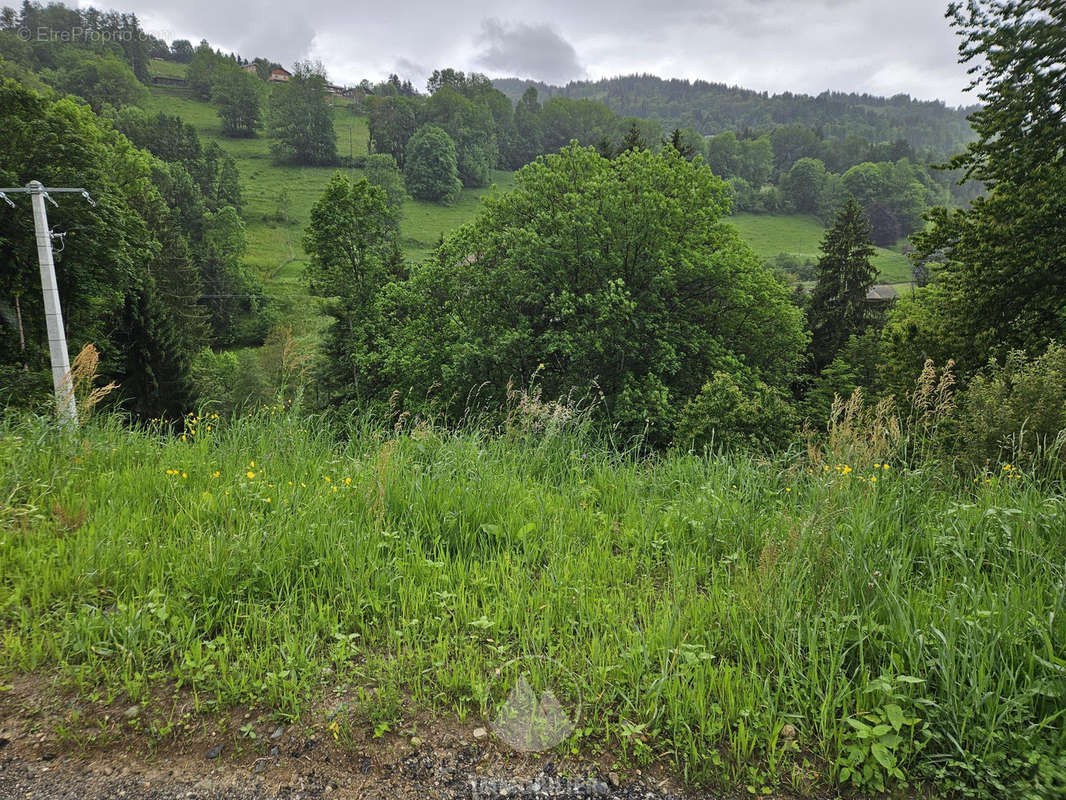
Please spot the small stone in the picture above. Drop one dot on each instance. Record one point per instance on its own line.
(107, 770)
(278, 732)
(480, 733)
(614, 779)
(214, 752)
(416, 742)
(274, 751)
(788, 731)
(132, 712)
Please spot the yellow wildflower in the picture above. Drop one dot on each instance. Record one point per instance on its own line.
(250, 474)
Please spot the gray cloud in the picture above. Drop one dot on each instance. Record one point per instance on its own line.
(527, 51)
(771, 45)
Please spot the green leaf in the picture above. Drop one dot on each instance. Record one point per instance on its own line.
(895, 715)
(883, 755)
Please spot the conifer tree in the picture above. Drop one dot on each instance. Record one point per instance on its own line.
(838, 305)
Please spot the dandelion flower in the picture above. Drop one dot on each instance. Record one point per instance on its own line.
(184, 475)
(873, 479)
(347, 481)
(216, 474)
(788, 488)
(250, 474)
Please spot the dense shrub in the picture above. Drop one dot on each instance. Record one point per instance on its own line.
(1015, 410)
(736, 411)
(431, 169)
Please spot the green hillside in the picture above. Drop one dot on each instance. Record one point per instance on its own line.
(275, 193)
(271, 191)
(801, 235)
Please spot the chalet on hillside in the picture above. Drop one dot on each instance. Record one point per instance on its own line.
(335, 90)
(881, 293)
(358, 93)
(251, 69)
(279, 75)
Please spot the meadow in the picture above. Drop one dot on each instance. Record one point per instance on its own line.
(792, 623)
(278, 202)
(800, 235)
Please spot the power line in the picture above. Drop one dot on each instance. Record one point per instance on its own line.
(53, 314)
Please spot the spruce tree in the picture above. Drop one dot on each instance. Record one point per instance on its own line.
(838, 305)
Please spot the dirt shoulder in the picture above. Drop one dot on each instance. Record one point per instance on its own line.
(57, 747)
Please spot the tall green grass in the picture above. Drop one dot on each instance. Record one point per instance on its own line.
(746, 620)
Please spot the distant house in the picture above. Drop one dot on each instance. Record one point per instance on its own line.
(336, 90)
(358, 93)
(881, 293)
(251, 69)
(279, 75)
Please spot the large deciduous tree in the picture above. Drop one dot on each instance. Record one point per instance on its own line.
(615, 276)
(352, 244)
(431, 171)
(237, 95)
(392, 122)
(300, 119)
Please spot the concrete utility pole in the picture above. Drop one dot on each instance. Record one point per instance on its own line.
(66, 406)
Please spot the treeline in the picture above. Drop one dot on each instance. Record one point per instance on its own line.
(614, 280)
(788, 169)
(152, 275)
(712, 108)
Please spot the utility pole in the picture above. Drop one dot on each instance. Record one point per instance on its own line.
(66, 406)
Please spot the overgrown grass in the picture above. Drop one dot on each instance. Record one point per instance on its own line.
(763, 623)
(801, 235)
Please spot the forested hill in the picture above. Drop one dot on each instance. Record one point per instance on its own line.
(712, 108)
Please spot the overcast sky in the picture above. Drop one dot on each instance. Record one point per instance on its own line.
(879, 46)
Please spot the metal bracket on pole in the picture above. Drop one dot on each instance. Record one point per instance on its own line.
(66, 406)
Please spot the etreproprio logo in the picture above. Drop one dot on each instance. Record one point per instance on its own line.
(534, 703)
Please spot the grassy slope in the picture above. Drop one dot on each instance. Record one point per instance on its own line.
(705, 602)
(276, 250)
(802, 236)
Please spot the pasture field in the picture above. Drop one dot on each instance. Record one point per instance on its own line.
(278, 201)
(801, 235)
(793, 624)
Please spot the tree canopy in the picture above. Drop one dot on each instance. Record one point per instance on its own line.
(300, 120)
(615, 277)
